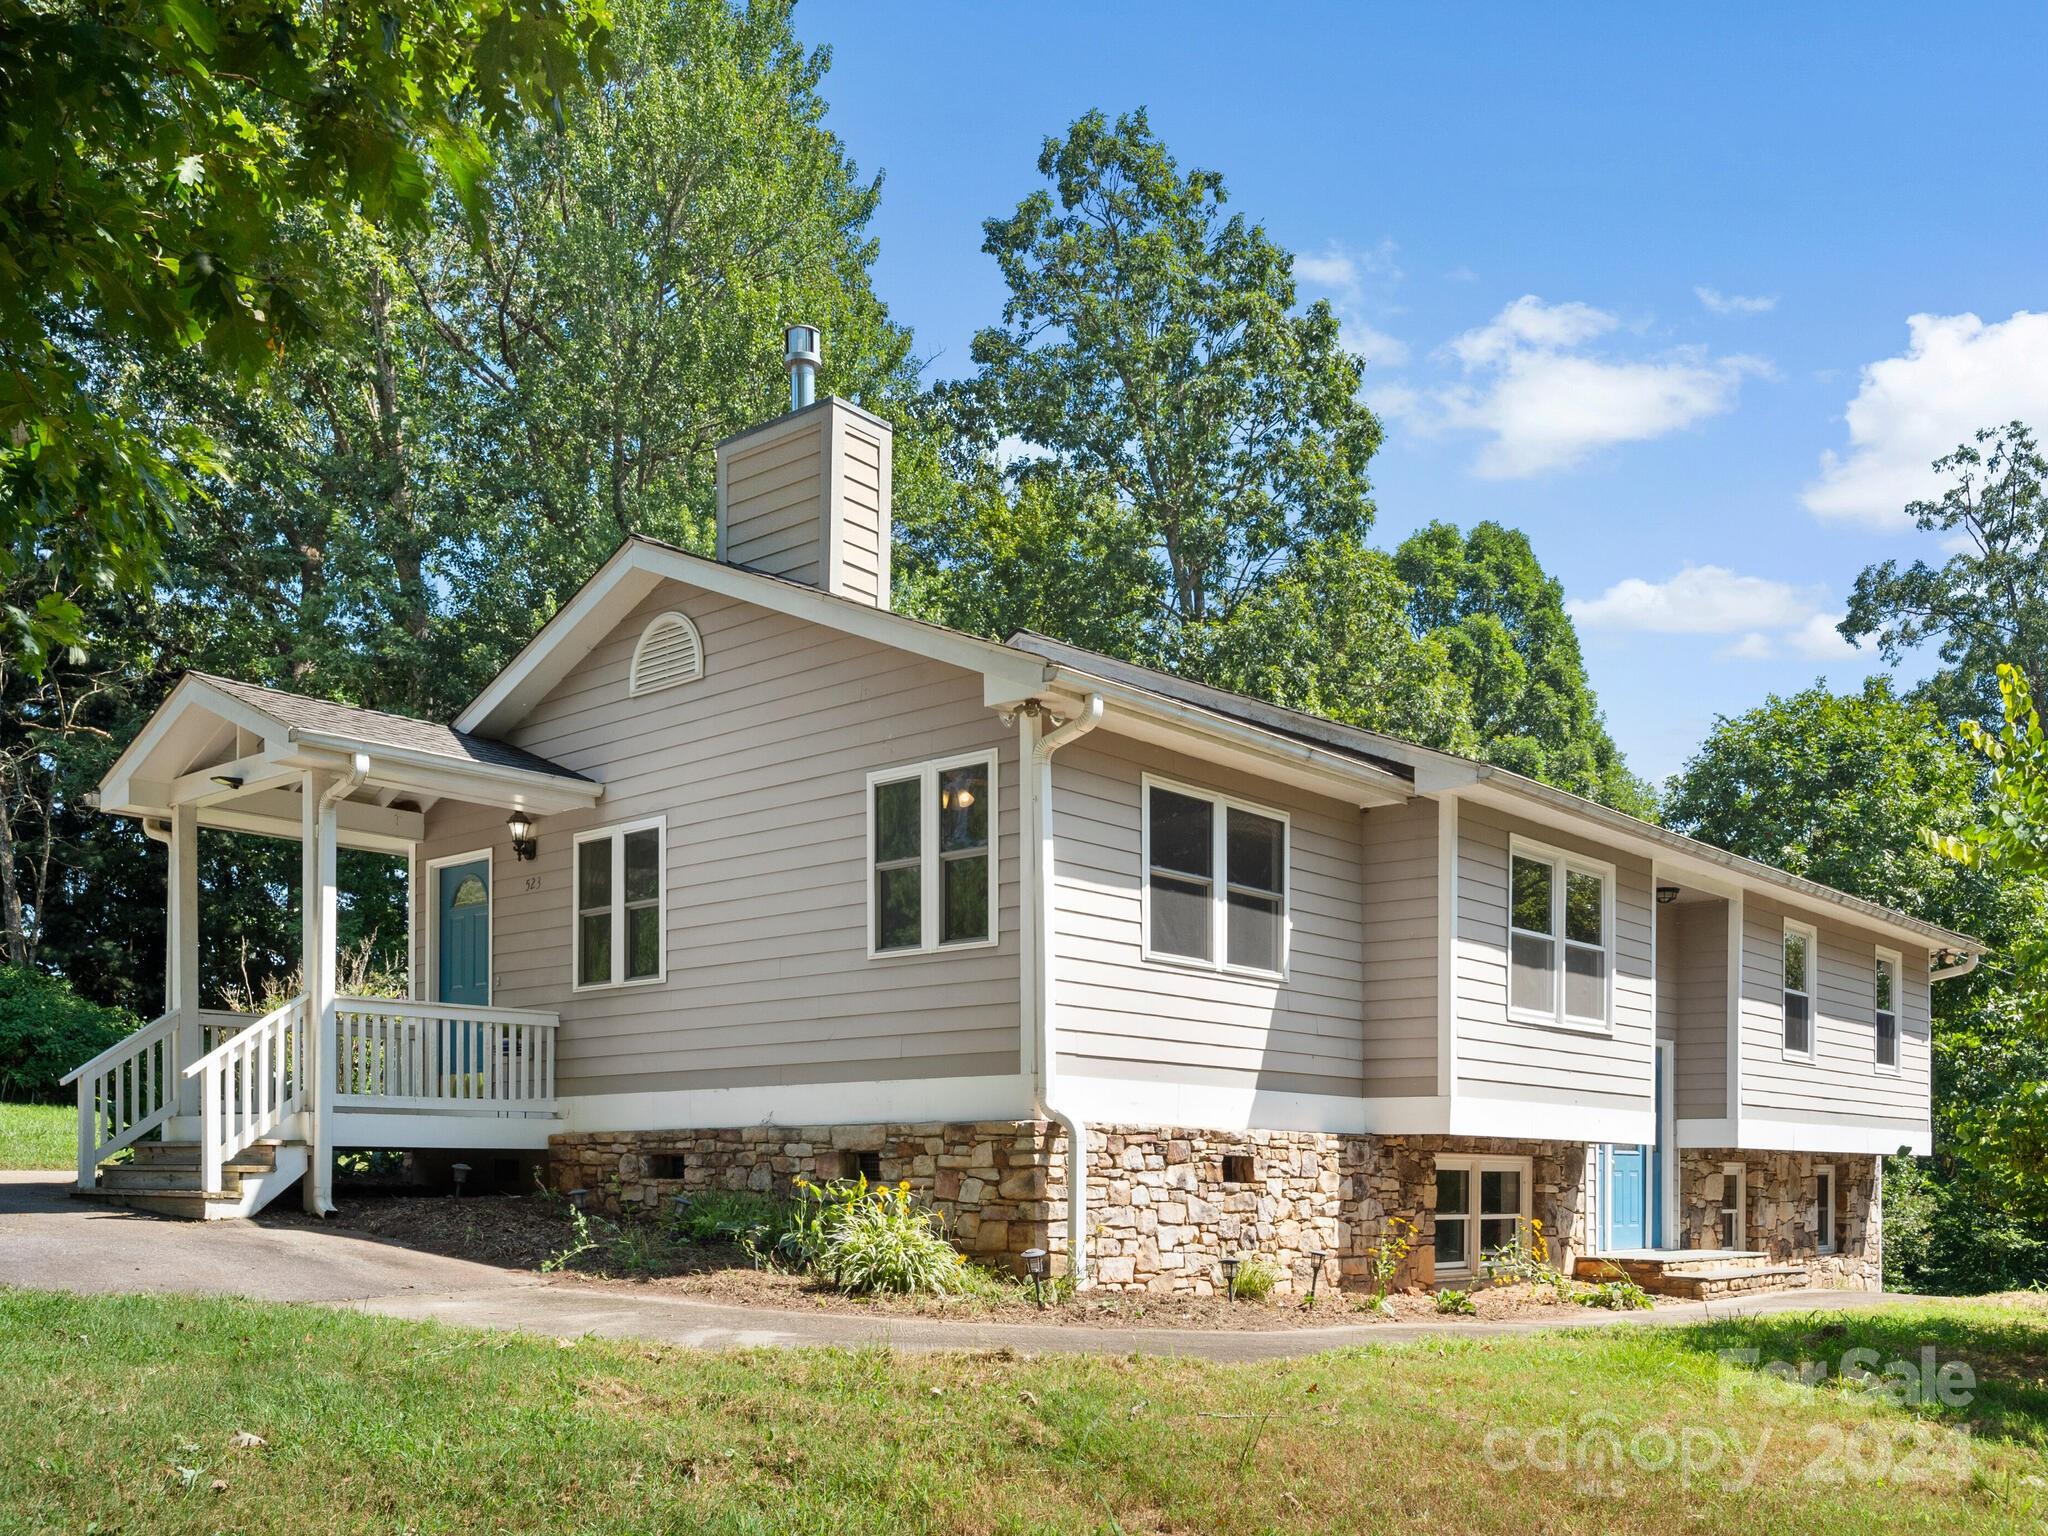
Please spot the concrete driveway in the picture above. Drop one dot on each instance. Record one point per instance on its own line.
(49, 1241)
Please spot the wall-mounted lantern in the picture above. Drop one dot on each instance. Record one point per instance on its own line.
(519, 826)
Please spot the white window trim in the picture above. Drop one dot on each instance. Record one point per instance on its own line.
(432, 902)
(1739, 1172)
(617, 833)
(1473, 1167)
(1219, 880)
(1877, 1063)
(1812, 935)
(1562, 862)
(1824, 1208)
(927, 774)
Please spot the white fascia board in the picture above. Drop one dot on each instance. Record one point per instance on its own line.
(1530, 1120)
(639, 565)
(1201, 733)
(190, 692)
(452, 778)
(1694, 862)
(901, 1101)
(1775, 1135)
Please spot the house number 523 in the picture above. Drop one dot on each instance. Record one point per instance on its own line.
(533, 882)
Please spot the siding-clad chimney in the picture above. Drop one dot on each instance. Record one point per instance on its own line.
(806, 495)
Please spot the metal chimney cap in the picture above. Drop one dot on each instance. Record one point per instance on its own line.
(802, 344)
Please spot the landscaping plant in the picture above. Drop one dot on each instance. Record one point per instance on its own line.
(1622, 1295)
(1387, 1259)
(1455, 1301)
(864, 1238)
(1255, 1279)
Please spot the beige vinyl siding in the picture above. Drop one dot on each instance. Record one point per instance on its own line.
(1698, 964)
(1121, 1015)
(1400, 979)
(1841, 1085)
(1499, 1057)
(761, 770)
(774, 492)
(860, 476)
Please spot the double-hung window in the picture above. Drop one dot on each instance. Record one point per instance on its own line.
(1560, 937)
(1824, 1208)
(931, 855)
(1734, 1206)
(1887, 1001)
(1215, 880)
(621, 902)
(1482, 1203)
(1802, 953)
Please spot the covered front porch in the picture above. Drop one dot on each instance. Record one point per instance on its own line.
(225, 1110)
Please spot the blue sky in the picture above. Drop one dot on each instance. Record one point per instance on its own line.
(1642, 283)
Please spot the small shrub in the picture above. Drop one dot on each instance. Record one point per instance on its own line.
(1386, 1259)
(46, 1029)
(1455, 1302)
(1615, 1295)
(1516, 1262)
(581, 1241)
(864, 1238)
(1255, 1279)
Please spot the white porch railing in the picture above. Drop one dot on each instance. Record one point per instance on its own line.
(249, 1085)
(125, 1092)
(443, 1056)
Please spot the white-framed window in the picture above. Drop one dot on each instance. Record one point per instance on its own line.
(1802, 963)
(1734, 1205)
(1560, 937)
(1481, 1203)
(932, 855)
(621, 897)
(1216, 880)
(1824, 1207)
(669, 654)
(1886, 1003)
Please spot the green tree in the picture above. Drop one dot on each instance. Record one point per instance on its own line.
(1151, 354)
(1987, 603)
(621, 306)
(160, 169)
(1501, 622)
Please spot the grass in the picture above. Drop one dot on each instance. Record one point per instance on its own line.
(133, 1405)
(38, 1135)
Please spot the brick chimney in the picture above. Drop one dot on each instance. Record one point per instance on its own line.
(806, 496)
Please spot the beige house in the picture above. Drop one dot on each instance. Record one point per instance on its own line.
(735, 874)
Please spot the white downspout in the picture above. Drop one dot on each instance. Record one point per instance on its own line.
(1038, 750)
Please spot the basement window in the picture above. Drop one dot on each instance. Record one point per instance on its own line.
(1734, 1200)
(869, 1166)
(665, 1165)
(1824, 1209)
(1482, 1203)
(1238, 1168)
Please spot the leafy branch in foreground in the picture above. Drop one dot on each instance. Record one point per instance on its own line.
(2013, 836)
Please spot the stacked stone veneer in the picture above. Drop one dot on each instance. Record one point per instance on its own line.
(1163, 1205)
(996, 1182)
(1783, 1219)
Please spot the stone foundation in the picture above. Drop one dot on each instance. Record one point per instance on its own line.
(1782, 1219)
(1164, 1206)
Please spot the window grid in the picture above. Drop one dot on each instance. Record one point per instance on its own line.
(952, 808)
(1560, 938)
(619, 932)
(1245, 920)
(1481, 1203)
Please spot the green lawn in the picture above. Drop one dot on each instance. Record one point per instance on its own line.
(131, 1407)
(38, 1135)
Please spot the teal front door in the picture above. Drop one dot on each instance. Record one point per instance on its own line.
(463, 942)
(1626, 1170)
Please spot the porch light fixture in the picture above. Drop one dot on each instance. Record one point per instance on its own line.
(227, 781)
(1229, 1263)
(519, 826)
(1316, 1256)
(1034, 1266)
(1666, 894)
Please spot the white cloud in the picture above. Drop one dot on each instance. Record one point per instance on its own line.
(1699, 600)
(1359, 285)
(1818, 640)
(1753, 646)
(1720, 303)
(1547, 402)
(1957, 374)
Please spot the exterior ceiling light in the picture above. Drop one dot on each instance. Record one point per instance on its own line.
(1666, 894)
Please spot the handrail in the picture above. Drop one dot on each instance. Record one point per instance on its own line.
(404, 1008)
(220, 1052)
(126, 1046)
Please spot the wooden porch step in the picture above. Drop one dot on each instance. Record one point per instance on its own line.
(185, 1154)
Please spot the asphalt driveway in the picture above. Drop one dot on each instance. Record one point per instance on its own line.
(50, 1241)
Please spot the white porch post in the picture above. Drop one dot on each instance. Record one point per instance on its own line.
(181, 949)
(317, 850)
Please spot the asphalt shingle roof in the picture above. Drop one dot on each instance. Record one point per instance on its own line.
(374, 728)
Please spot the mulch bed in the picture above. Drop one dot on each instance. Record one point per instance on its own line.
(527, 1232)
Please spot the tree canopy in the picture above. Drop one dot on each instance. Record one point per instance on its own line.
(163, 172)
(1987, 603)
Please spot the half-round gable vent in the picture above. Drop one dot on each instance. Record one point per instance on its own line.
(669, 653)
